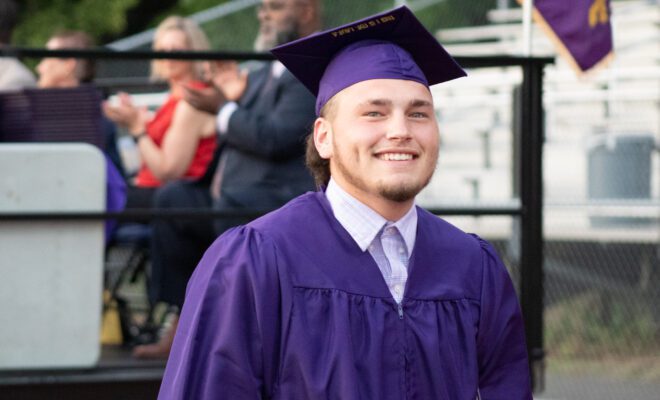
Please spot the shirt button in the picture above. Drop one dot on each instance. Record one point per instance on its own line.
(390, 230)
(397, 289)
(402, 250)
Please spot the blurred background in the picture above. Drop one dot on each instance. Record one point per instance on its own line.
(601, 159)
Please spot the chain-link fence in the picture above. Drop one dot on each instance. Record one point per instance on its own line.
(602, 197)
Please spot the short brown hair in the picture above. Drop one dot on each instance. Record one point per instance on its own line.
(85, 68)
(317, 165)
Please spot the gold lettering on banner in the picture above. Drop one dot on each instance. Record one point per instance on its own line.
(598, 13)
(362, 26)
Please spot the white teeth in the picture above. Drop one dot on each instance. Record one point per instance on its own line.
(396, 156)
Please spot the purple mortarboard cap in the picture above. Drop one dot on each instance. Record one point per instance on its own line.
(389, 45)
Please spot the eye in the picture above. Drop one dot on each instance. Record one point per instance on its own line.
(419, 114)
(373, 114)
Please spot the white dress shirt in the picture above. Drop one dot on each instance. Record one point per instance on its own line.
(390, 243)
(226, 111)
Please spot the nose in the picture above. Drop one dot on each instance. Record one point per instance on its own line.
(41, 67)
(398, 128)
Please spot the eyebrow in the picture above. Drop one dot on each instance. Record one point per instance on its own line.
(375, 102)
(385, 102)
(420, 103)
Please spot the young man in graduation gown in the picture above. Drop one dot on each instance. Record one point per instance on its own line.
(354, 292)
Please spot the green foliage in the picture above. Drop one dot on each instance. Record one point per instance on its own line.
(339, 12)
(187, 7)
(235, 32)
(222, 33)
(455, 13)
(41, 18)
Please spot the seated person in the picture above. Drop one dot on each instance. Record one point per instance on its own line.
(72, 72)
(13, 74)
(263, 118)
(178, 141)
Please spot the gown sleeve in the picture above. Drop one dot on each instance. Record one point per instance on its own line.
(502, 352)
(226, 345)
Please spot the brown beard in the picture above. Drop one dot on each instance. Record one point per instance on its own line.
(398, 194)
(288, 34)
(402, 193)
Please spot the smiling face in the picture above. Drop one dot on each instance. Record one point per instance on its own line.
(381, 138)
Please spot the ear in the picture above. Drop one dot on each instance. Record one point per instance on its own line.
(323, 137)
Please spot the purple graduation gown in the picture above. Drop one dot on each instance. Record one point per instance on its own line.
(289, 307)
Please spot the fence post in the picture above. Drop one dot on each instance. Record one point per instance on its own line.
(531, 224)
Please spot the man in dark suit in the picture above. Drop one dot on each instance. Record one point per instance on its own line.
(263, 118)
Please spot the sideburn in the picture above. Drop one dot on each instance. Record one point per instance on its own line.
(318, 166)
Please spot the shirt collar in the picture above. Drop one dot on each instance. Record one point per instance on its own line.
(277, 69)
(363, 223)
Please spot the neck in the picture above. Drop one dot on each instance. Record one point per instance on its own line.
(389, 209)
(64, 83)
(176, 87)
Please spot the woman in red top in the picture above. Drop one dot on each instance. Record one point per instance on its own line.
(178, 141)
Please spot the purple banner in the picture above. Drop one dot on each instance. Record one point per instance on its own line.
(582, 28)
